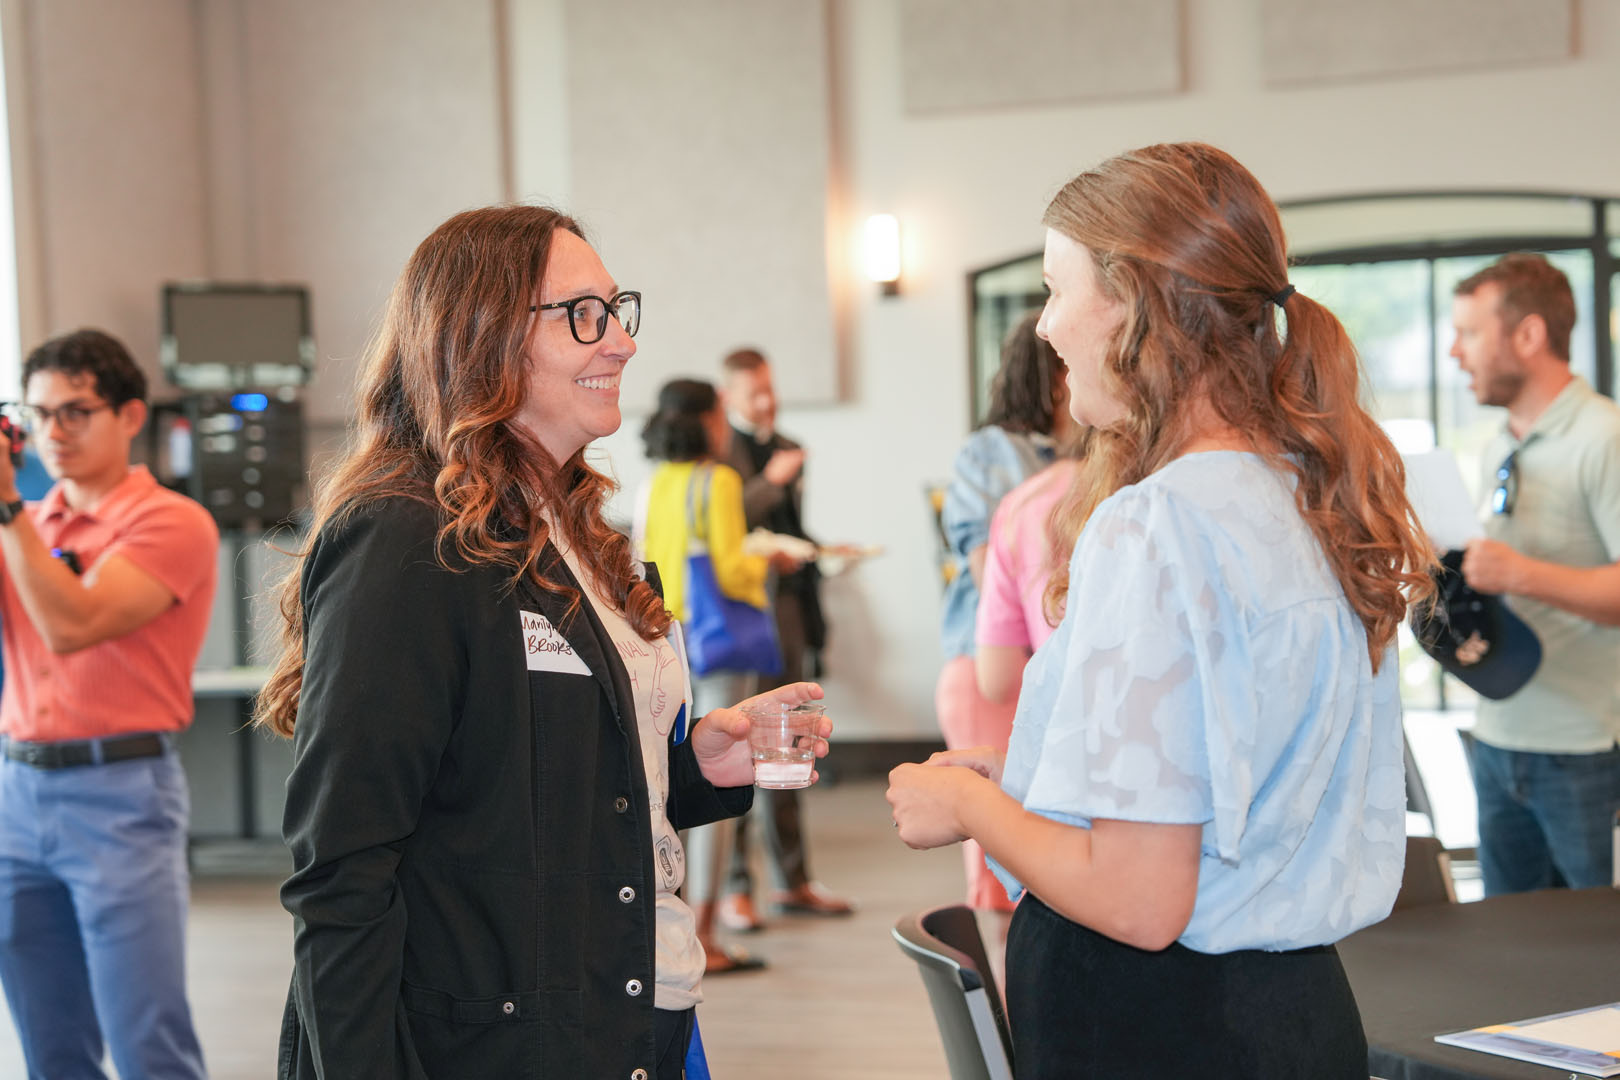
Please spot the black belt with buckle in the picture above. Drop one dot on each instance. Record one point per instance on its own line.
(67, 755)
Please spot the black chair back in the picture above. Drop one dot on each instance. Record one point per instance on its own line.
(1426, 878)
(950, 956)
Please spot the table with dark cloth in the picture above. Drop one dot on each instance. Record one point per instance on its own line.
(1442, 968)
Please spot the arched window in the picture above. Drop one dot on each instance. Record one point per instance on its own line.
(1387, 265)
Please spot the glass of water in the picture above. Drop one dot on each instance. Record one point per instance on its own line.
(783, 740)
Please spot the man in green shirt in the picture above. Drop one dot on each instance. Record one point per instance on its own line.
(1544, 760)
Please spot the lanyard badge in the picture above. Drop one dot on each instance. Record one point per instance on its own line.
(683, 719)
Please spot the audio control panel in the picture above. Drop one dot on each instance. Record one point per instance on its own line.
(239, 454)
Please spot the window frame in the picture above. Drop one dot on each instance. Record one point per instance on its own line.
(1598, 241)
(1601, 241)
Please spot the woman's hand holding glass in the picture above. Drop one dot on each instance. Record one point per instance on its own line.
(720, 740)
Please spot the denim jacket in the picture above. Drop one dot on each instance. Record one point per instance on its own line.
(990, 464)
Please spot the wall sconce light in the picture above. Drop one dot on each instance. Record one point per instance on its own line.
(882, 248)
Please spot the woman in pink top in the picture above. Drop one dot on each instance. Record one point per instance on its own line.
(1012, 621)
(1010, 626)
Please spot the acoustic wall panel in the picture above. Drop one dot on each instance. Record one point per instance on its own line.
(1318, 41)
(698, 137)
(117, 159)
(368, 123)
(973, 54)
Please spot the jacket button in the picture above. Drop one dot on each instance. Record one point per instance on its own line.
(633, 987)
(508, 1008)
(639, 1074)
(621, 804)
(626, 895)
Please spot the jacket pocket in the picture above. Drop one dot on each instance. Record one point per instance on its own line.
(501, 1035)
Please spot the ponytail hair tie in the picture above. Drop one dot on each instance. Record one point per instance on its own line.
(1280, 297)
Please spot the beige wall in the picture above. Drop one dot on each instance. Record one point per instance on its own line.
(319, 140)
(107, 125)
(311, 141)
(368, 122)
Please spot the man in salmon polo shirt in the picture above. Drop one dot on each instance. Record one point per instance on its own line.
(105, 591)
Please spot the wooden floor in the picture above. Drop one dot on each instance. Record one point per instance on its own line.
(838, 999)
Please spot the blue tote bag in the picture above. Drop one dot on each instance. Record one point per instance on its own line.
(722, 634)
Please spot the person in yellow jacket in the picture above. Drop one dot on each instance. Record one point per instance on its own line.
(688, 436)
(681, 436)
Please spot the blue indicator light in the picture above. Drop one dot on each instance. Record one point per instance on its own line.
(250, 402)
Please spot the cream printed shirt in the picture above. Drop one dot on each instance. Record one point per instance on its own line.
(658, 687)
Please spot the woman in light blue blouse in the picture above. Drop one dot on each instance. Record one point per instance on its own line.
(1204, 786)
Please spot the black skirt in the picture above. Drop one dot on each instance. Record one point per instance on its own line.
(1085, 1007)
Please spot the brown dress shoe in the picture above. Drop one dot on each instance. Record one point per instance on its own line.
(736, 912)
(811, 899)
(723, 960)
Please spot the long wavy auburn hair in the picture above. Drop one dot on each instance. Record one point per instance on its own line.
(441, 386)
(1190, 243)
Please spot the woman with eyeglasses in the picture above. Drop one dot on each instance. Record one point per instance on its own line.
(492, 746)
(1203, 790)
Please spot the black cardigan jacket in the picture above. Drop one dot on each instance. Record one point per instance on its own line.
(473, 881)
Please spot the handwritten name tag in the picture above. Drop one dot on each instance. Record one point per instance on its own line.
(544, 649)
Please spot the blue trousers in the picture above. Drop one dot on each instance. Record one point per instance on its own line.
(1544, 819)
(93, 896)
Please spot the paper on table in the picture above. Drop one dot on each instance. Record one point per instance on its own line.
(1434, 486)
(1598, 1029)
(1584, 1040)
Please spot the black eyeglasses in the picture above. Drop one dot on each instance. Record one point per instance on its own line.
(588, 315)
(36, 418)
(1507, 485)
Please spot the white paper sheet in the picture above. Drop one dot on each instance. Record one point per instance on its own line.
(1596, 1030)
(1435, 487)
(1583, 1040)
